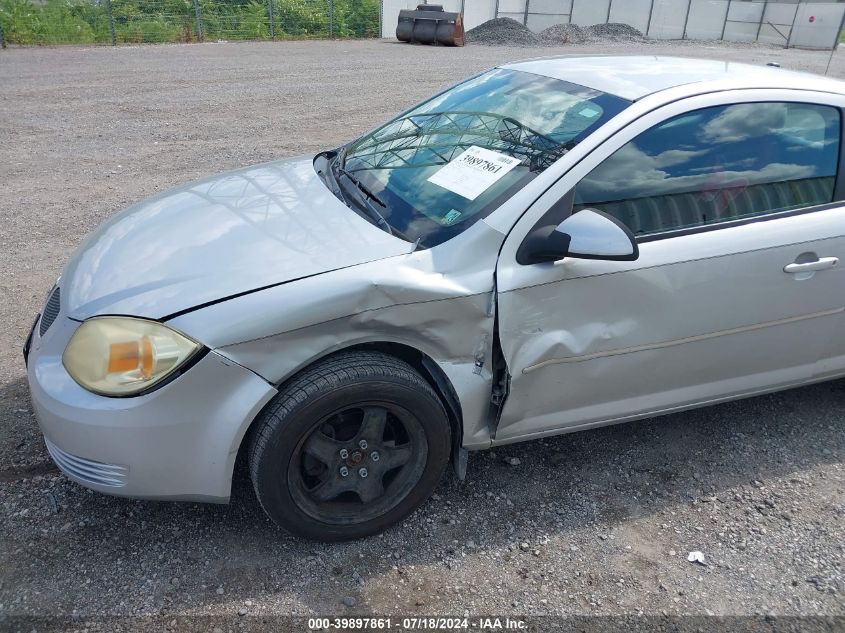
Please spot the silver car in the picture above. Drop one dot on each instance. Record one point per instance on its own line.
(552, 245)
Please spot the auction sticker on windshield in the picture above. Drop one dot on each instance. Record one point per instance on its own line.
(474, 171)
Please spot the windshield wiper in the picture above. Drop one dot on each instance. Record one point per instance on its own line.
(334, 161)
(365, 195)
(362, 187)
(336, 170)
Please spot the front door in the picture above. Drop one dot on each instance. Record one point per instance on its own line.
(739, 286)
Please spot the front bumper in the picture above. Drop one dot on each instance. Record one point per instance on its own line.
(177, 442)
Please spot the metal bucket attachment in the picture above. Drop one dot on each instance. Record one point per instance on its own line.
(430, 24)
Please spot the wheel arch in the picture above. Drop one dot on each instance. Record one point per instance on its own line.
(424, 364)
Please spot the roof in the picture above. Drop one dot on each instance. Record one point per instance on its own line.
(634, 77)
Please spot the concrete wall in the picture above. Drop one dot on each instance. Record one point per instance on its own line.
(786, 22)
(546, 13)
(585, 13)
(816, 24)
(667, 20)
(706, 19)
(633, 12)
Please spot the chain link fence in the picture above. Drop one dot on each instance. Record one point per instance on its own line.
(158, 21)
(812, 24)
(804, 23)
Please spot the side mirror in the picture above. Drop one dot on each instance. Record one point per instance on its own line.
(586, 234)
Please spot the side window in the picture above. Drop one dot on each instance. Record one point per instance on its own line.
(719, 164)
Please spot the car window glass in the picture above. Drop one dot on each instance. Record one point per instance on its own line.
(718, 164)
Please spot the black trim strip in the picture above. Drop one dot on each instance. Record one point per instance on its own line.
(763, 217)
(28, 344)
(839, 185)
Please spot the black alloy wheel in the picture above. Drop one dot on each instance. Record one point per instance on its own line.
(349, 447)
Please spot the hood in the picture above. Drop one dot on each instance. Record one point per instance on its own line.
(219, 237)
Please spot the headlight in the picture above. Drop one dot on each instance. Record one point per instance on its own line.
(119, 356)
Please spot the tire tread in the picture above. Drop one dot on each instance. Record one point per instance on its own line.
(317, 380)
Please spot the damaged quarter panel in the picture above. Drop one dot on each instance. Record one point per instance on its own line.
(438, 301)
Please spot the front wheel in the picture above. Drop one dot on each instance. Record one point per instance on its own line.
(349, 447)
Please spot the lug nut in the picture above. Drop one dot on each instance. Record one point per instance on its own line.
(344, 453)
(344, 471)
(362, 472)
(363, 443)
(374, 455)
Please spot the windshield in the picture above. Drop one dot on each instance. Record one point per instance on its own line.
(432, 172)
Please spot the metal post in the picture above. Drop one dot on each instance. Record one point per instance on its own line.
(609, 7)
(270, 15)
(686, 19)
(198, 16)
(463, 4)
(762, 17)
(648, 24)
(331, 19)
(496, 11)
(525, 15)
(835, 41)
(829, 59)
(381, 18)
(2, 38)
(725, 24)
(111, 23)
(792, 28)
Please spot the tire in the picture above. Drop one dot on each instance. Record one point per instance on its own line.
(349, 447)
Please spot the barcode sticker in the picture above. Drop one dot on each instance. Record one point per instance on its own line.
(474, 171)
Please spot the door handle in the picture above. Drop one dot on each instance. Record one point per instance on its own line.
(820, 264)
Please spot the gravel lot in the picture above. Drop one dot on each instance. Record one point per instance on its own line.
(592, 523)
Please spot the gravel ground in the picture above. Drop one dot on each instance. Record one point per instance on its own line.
(599, 522)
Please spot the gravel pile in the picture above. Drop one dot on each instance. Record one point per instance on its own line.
(615, 32)
(509, 32)
(503, 32)
(563, 34)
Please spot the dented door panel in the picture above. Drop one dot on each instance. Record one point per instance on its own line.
(698, 318)
(646, 337)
